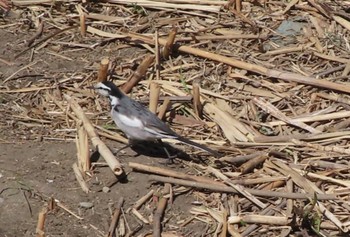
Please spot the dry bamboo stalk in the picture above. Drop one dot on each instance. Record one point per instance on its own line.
(115, 218)
(282, 138)
(103, 70)
(139, 216)
(269, 108)
(322, 148)
(344, 183)
(237, 187)
(238, 5)
(290, 202)
(259, 219)
(257, 180)
(59, 204)
(220, 188)
(168, 47)
(314, 118)
(346, 70)
(285, 76)
(154, 97)
(112, 162)
(198, 108)
(242, 158)
(159, 212)
(83, 149)
(222, 37)
(171, 173)
(82, 24)
(142, 200)
(155, 4)
(163, 108)
(41, 223)
(138, 74)
(251, 164)
(232, 231)
(336, 98)
(157, 55)
(288, 50)
(343, 22)
(80, 179)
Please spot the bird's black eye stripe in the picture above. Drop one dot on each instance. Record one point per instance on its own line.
(102, 88)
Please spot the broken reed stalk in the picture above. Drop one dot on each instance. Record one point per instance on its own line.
(82, 18)
(274, 111)
(223, 189)
(282, 75)
(238, 5)
(251, 164)
(103, 70)
(82, 144)
(198, 108)
(80, 179)
(259, 219)
(138, 74)
(41, 222)
(142, 200)
(111, 160)
(171, 173)
(168, 47)
(154, 97)
(163, 108)
(157, 64)
(157, 227)
(115, 218)
(237, 187)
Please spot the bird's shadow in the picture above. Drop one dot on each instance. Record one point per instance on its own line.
(156, 150)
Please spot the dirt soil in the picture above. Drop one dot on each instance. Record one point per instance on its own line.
(32, 172)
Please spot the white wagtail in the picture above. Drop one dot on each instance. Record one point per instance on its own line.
(137, 122)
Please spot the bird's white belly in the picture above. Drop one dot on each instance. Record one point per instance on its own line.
(132, 127)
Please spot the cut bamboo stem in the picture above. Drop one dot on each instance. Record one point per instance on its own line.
(80, 179)
(157, 230)
(237, 187)
(83, 149)
(103, 70)
(41, 223)
(138, 74)
(259, 219)
(171, 173)
(112, 162)
(198, 108)
(115, 218)
(163, 108)
(260, 193)
(168, 47)
(154, 97)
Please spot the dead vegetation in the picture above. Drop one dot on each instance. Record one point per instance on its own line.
(263, 82)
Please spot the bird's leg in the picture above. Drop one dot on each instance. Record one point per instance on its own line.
(170, 158)
(130, 143)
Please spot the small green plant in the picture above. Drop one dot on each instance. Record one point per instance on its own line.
(139, 10)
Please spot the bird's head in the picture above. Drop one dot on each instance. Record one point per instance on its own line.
(107, 88)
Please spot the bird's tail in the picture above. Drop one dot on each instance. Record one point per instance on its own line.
(199, 146)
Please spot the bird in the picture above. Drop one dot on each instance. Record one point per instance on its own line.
(137, 122)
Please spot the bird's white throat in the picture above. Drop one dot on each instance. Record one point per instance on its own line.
(114, 100)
